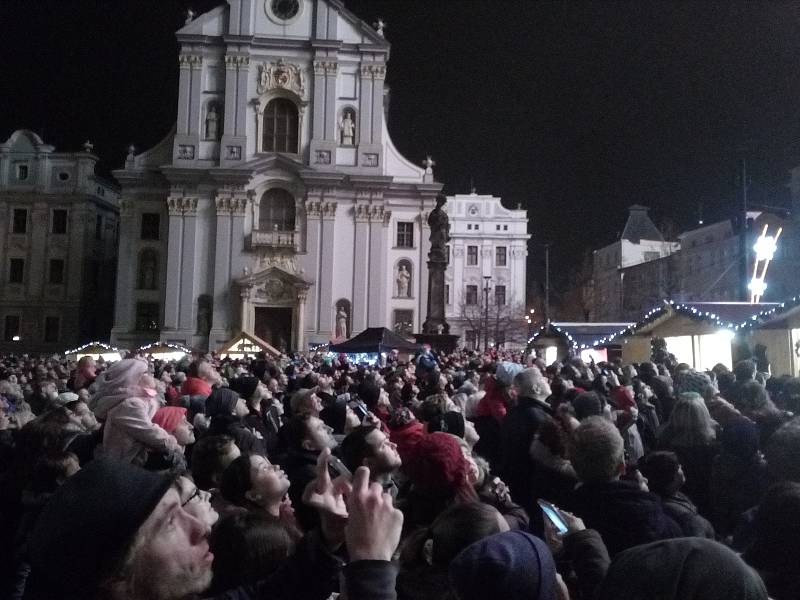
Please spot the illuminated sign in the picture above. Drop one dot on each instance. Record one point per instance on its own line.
(764, 249)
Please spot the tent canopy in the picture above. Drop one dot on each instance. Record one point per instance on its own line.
(374, 340)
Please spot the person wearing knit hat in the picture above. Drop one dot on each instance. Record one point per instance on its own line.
(439, 474)
(513, 565)
(172, 419)
(118, 532)
(127, 402)
(227, 412)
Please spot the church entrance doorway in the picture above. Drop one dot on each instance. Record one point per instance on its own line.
(274, 325)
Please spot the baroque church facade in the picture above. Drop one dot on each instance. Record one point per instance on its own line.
(278, 205)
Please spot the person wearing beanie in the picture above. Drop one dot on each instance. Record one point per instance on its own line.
(119, 532)
(127, 402)
(513, 565)
(405, 431)
(227, 411)
(439, 474)
(262, 416)
(681, 569)
(518, 431)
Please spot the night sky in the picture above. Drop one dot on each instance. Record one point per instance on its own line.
(575, 110)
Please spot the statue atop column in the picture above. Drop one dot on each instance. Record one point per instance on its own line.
(437, 264)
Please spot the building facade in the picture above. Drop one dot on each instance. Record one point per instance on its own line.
(488, 248)
(58, 232)
(703, 265)
(278, 205)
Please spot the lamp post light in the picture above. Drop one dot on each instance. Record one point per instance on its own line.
(486, 279)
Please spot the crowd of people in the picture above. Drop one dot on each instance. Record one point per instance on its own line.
(466, 475)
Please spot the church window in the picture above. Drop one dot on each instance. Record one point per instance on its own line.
(281, 124)
(285, 9)
(405, 234)
(22, 172)
(472, 256)
(505, 227)
(11, 328)
(148, 270)
(276, 211)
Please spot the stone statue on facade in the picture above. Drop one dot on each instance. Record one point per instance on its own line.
(403, 279)
(212, 123)
(348, 129)
(341, 323)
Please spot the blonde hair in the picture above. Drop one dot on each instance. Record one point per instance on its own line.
(690, 423)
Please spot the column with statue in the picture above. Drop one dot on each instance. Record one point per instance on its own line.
(435, 329)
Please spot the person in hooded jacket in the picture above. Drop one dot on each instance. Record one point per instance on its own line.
(126, 401)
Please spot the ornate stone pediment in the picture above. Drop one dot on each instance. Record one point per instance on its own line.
(282, 76)
(274, 286)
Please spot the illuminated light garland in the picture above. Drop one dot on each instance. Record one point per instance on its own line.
(90, 344)
(558, 330)
(173, 346)
(691, 311)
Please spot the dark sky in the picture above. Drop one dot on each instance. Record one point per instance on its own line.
(575, 110)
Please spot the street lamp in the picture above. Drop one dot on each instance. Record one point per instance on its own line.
(486, 279)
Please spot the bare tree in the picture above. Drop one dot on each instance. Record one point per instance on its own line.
(501, 324)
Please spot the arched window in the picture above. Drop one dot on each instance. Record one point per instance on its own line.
(276, 211)
(148, 270)
(280, 126)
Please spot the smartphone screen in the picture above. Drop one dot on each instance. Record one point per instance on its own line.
(552, 514)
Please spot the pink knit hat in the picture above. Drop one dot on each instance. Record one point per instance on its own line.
(437, 464)
(169, 417)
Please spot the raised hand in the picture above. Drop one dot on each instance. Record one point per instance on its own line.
(373, 530)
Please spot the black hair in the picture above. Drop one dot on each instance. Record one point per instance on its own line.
(355, 447)
(660, 469)
(207, 460)
(235, 481)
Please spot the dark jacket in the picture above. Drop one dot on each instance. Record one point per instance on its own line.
(736, 486)
(681, 510)
(301, 469)
(623, 514)
(517, 431)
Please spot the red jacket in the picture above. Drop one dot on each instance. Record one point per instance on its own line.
(492, 404)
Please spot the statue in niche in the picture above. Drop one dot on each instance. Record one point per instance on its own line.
(403, 280)
(348, 127)
(341, 322)
(212, 120)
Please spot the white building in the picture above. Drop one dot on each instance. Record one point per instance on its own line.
(490, 241)
(278, 205)
(58, 241)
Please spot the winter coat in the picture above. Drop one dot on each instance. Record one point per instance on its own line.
(517, 433)
(624, 515)
(736, 486)
(301, 469)
(681, 509)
